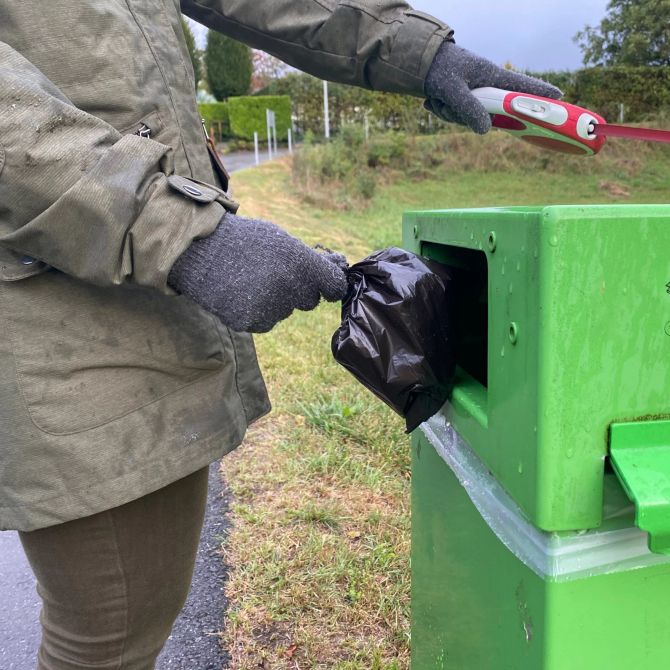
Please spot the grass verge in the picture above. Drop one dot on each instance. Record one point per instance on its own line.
(319, 552)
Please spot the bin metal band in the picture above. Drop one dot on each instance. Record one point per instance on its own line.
(552, 556)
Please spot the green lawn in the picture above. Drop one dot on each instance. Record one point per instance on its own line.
(319, 553)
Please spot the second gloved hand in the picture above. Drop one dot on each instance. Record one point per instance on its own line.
(252, 274)
(456, 71)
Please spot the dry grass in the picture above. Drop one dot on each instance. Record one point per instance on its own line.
(319, 552)
(320, 546)
(346, 172)
(321, 578)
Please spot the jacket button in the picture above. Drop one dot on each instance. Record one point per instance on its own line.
(192, 190)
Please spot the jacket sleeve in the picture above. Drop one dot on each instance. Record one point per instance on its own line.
(78, 196)
(381, 44)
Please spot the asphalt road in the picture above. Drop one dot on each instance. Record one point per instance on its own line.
(19, 610)
(192, 645)
(239, 160)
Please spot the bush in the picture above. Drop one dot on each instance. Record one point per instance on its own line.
(345, 172)
(247, 115)
(216, 117)
(564, 79)
(643, 91)
(349, 104)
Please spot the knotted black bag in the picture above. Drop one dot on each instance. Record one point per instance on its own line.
(396, 335)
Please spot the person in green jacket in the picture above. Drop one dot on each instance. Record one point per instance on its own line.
(129, 286)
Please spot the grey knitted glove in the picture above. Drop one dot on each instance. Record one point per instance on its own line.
(251, 274)
(456, 71)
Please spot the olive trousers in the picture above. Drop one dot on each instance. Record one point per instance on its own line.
(112, 584)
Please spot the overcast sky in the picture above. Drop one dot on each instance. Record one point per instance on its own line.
(532, 34)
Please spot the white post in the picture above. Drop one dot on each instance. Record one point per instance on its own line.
(274, 131)
(367, 127)
(326, 113)
(622, 113)
(267, 119)
(256, 152)
(290, 141)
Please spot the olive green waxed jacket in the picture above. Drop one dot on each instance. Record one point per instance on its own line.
(110, 385)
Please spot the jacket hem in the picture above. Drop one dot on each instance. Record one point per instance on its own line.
(113, 493)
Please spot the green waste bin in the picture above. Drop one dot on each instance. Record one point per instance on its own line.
(541, 492)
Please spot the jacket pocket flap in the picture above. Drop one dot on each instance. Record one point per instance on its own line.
(14, 266)
(193, 190)
(201, 192)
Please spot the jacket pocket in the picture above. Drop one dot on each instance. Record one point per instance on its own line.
(87, 355)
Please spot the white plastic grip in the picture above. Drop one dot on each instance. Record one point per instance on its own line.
(540, 110)
(493, 99)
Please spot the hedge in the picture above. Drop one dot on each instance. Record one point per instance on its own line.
(349, 104)
(247, 115)
(216, 117)
(241, 117)
(643, 91)
(564, 79)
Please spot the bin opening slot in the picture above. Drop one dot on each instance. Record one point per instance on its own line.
(469, 269)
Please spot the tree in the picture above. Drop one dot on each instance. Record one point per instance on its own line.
(633, 32)
(192, 51)
(229, 66)
(267, 68)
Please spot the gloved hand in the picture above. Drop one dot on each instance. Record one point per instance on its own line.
(251, 274)
(456, 71)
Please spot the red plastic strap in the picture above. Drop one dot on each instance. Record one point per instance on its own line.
(646, 134)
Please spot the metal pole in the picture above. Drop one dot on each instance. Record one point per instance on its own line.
(326, 113)
(256, 152)
(290, 141)
(267, 119)
(274, 130)
(367, 128)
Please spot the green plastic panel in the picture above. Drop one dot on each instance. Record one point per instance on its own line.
(640, 453)
(577, 338)
(475, 606)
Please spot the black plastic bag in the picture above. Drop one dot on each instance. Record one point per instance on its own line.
(396, 335)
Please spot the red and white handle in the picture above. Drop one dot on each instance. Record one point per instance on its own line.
(550, 124)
